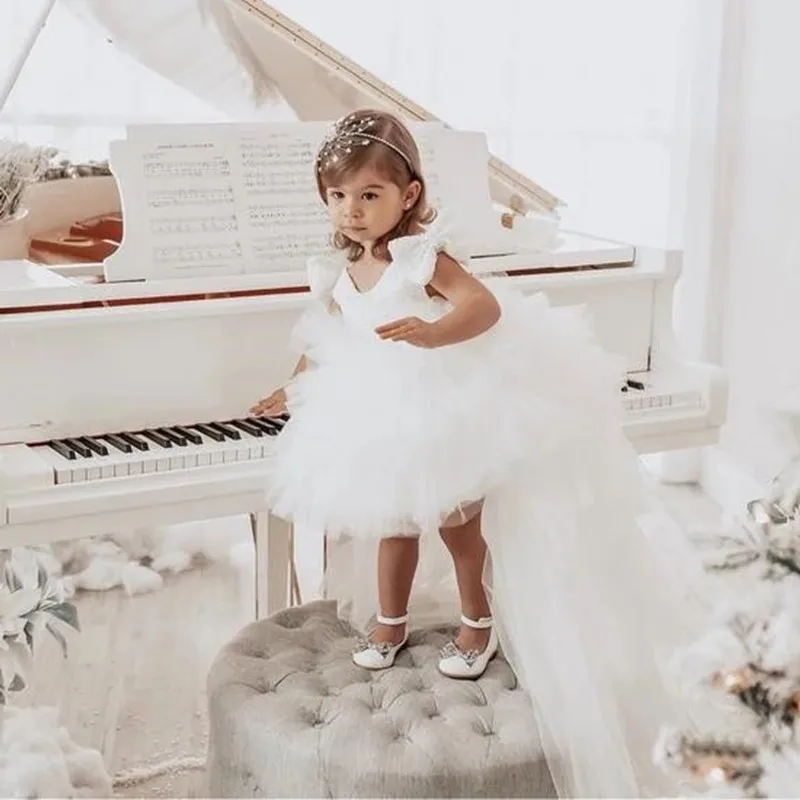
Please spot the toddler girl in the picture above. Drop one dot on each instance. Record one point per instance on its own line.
(430, 403)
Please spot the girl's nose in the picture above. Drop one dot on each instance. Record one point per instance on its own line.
(352, 209)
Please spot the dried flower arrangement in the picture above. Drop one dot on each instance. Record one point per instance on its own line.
(20, 166)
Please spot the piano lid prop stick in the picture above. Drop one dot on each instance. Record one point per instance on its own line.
(27, 47)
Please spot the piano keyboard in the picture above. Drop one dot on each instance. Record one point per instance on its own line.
(83, 459)
(179, 447)
(639, 398)
(122, 454)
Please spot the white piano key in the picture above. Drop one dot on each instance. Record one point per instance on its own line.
(93, 473)
(65, 471)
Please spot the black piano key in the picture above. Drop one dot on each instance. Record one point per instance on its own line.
(155, 436)
(93, 444)
(206, 430)
(62, 450)
(175, 438)
(244, 425)
(134, 441)
(194, 438)
(265, 425)
(118, 442)
(80, 448)
(225, 430)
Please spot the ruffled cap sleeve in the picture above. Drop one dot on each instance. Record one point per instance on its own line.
(416, 254)
(323, 272)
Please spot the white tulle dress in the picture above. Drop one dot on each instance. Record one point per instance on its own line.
(386, 438)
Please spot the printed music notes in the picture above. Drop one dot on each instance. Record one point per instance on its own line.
(233, 199)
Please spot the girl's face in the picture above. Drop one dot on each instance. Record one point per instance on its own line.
(366, 205)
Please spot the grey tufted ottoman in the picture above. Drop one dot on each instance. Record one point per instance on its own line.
(292, 716)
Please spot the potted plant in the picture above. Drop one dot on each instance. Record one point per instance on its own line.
(41, 758)
(31, 601)
(20, 166)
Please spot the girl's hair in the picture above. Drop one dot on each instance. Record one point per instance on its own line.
(379, 140)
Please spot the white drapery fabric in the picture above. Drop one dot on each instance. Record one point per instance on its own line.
(585, 97)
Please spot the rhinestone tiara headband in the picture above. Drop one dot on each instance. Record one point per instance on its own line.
(350, 132)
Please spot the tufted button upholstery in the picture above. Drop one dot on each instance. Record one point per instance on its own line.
(292, 716)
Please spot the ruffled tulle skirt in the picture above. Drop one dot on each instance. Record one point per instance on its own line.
(386, 438)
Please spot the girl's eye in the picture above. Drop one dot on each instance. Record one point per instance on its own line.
(369, 195)
(336, 195)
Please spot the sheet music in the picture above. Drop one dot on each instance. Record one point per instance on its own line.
(223, 199)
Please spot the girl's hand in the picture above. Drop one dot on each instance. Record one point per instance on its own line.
(410, 329)
(271, 406)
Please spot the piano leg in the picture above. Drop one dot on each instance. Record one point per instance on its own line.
(272, 538)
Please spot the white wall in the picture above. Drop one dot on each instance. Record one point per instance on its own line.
(758, 337)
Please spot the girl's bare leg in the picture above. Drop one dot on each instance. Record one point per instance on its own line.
(467, 547)
(397, 563)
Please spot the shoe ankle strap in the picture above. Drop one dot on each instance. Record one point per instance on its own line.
(478, 624)
(381, 620)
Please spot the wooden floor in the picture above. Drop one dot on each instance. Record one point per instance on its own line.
(133, 685)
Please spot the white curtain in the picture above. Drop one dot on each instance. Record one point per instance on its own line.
(585, 96)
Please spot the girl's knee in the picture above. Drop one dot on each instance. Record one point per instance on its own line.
(464, 517)
(400, 541)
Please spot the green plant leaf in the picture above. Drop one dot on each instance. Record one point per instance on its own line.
(66, 612)
(11, 578)
(29, 630)
(58, 636)
(17, 683)
(41, 575)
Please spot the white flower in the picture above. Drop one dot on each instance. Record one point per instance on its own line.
(30, 599)
(13, 605)
(26, 595)
(20, 165)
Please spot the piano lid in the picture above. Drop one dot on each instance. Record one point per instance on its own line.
(320, 83)
(280, 58)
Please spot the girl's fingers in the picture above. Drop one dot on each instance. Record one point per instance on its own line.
(402, 333)
(270, 406)
(273, 409)
(388, 327)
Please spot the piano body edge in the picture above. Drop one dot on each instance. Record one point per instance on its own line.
(200, 352)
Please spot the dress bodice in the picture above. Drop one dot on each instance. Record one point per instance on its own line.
(399, 292)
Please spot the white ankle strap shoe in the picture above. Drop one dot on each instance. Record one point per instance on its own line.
(379, 655)
(470, 664)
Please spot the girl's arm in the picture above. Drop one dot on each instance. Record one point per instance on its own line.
(302, 364)
(475, 308)
(276, 402)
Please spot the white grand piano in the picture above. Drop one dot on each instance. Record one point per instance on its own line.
(125, 390)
